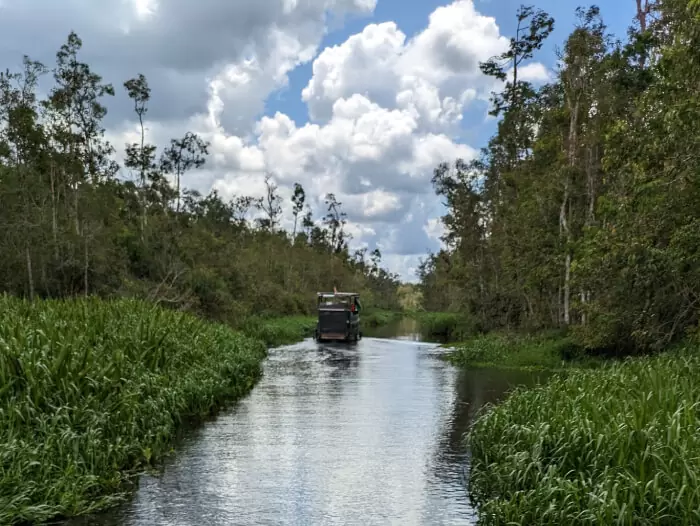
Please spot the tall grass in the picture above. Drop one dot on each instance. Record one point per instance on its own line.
(379, 317)
(617, 445)
(542, 350)
(92, 390)
(279, 331)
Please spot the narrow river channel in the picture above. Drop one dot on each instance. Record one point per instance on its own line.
(333, 434)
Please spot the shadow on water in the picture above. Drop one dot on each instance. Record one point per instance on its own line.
(333, 434)
(474, 388)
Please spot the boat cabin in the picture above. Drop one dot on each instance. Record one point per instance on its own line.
(338, 316)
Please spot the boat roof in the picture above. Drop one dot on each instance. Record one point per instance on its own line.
(331, 294)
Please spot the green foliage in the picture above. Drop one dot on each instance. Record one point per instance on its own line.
(618, 445)
(279, 331)
(540, 350)
(444, 326)
(379, 317)
(583, 211)
(92, 390)
(76, 224)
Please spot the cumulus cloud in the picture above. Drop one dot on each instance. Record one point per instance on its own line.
(384, 107)
(431, 76)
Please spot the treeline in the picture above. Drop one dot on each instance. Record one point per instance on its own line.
(76, 224)
(584, 209)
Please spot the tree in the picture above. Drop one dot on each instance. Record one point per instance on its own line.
(307, 223)
(584, 52)
(298, 198)
(71, 227)
(22, 143)
(74, 113)
(335, 222)
(582, 209)
(270, 206)
(181, 156)
(141, 157)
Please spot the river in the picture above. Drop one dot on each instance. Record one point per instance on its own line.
(332, 434)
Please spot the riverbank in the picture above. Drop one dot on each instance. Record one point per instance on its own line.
(93, 391)
(615, 445)
(552, 350)
(442, 326)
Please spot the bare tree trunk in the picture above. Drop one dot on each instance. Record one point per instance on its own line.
(177, 207)
(567, 289)
(590, 214)
(77, 216)
(565, 228)
(44, 278)
(643, 12)
(54, 212)
(30, 275)
(86, 268)
(590, 177)
(560, 303)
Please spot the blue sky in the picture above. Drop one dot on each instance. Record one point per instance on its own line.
(389, 102)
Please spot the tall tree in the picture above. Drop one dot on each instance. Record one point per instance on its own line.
(74, 113)
(298, 199)
(270, 205)
(181, 156)
(335, 220)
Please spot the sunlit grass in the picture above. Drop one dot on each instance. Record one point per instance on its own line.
(92, 390)
(616, 445)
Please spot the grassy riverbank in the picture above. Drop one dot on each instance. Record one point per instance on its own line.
(618, 445)
(90, 391)
(442, 326)
(379, 317)
(545, 350)
(279, 331)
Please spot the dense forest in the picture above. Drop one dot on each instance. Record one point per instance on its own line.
(583, 211)
(77, 224)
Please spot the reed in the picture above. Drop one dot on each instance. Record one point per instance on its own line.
(379, 317)
(615, 445)
(91, 391)
(279, 331)
(544, 350)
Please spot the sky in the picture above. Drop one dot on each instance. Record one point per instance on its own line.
(360, 98)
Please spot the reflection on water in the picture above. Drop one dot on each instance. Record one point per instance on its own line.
(401, 329)
(334, 434)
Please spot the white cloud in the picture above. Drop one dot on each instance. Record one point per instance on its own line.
(434, 228)
(432, 76)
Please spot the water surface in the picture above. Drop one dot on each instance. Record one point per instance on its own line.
(333, 434)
